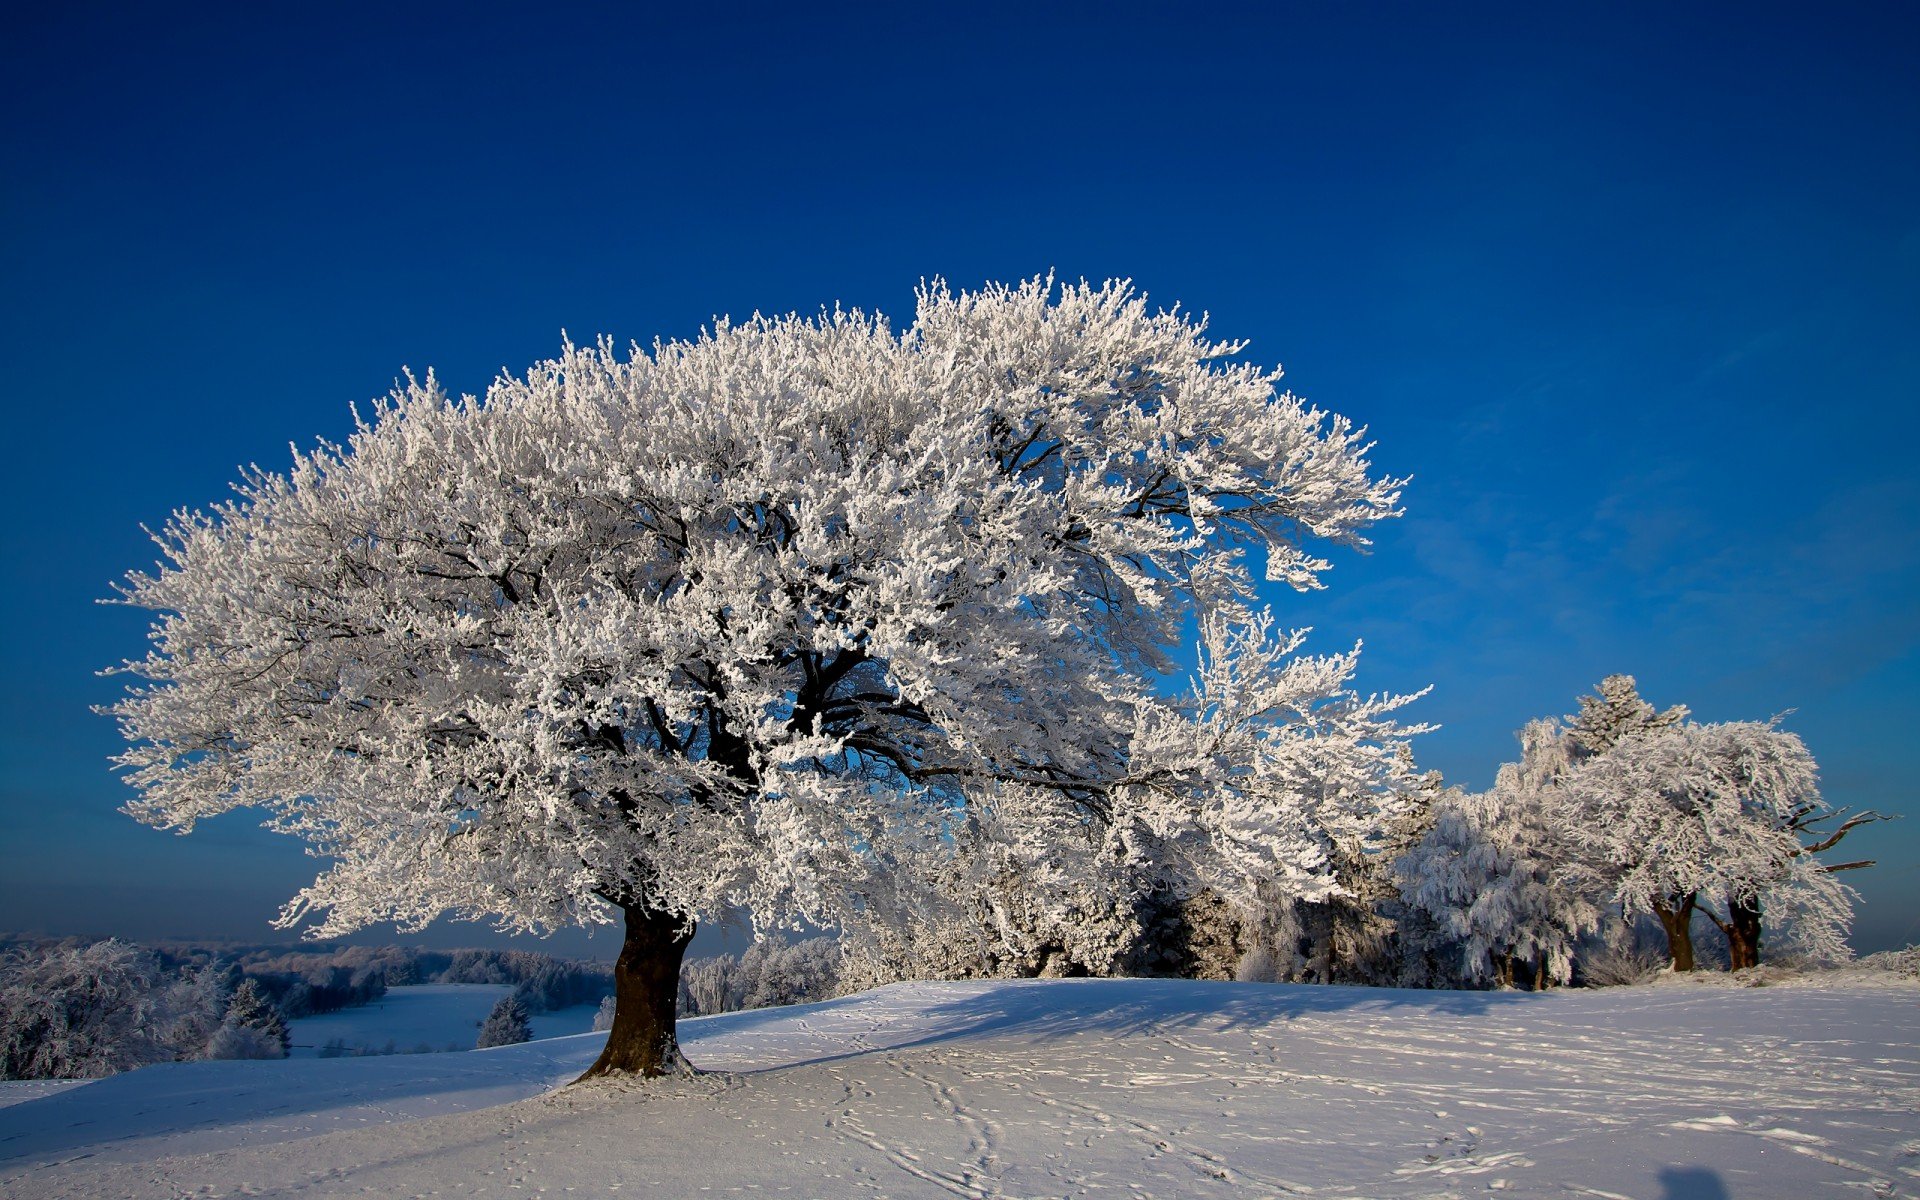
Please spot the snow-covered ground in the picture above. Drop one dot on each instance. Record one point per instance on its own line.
(1122, 1088)
(19, 1091)
(425, 1017)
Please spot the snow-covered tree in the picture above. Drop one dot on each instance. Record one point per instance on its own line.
(1696, 815)
(507, 1024)
(765, 620)
(196, 1002)
(234, 1040)
(253, 1027)
(1499, 877)
(1614, 713)
(81, 1012)
(1490, 872)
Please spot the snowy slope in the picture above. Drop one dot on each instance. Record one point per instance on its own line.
(1126, 1088)
(19, 1091)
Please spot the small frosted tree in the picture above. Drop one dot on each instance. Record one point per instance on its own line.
(507, 1024)
(1613, 714)
(197, 1001)
(253, 1027)
(765, 620)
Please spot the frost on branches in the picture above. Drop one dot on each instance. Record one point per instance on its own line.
(1632, 812)
(1498, 876)
(1698, 817)
(85, 1011)
(790, 618)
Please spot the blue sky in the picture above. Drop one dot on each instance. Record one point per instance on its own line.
(1633, 293)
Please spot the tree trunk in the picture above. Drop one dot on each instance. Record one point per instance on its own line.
(1743, 933)
(646, 990)
(1677, 920)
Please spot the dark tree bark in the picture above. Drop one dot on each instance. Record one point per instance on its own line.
(1743, 933)
(1743, 921)
(1676, 917)
(1741, 928)
(646, 989)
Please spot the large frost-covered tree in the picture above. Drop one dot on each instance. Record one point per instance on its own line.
(768, 619)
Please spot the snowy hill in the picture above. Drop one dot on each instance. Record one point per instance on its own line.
(1135, 1088)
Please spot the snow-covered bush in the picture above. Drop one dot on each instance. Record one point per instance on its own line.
(1904, 963)
(1621, 966)
(244, 1041)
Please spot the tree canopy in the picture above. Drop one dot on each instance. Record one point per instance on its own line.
(764, 618)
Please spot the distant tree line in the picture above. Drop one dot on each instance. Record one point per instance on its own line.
(766, 974)
(76, 1008)
(83, 1010)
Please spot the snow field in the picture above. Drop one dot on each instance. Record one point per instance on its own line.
(434, 1015)
(1107, 1088)
(19, 1091)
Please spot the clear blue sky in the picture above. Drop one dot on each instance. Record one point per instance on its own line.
(1632, 291)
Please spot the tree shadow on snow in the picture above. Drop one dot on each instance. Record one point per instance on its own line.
(212, 1106)
(909, 1016)
(215, 1105)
